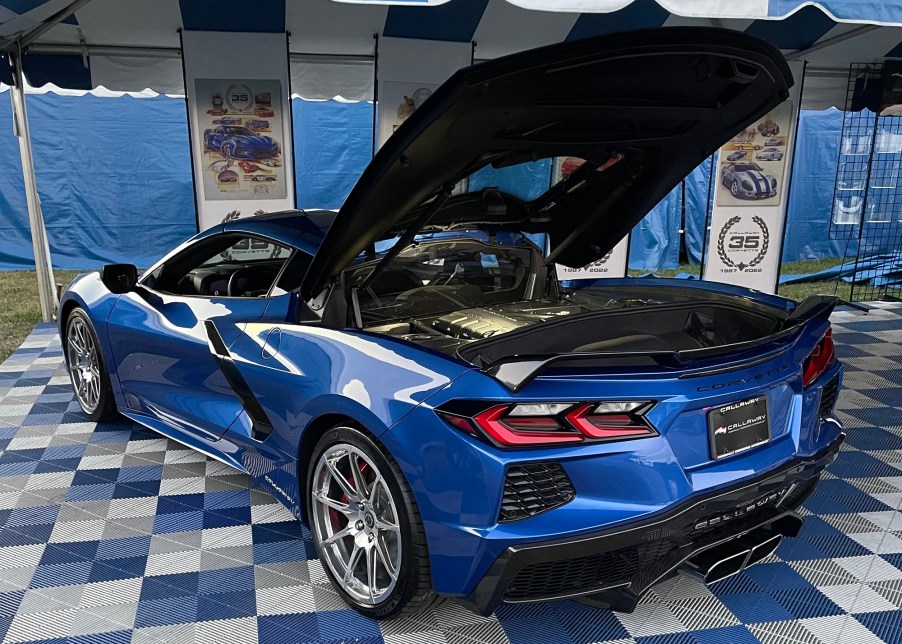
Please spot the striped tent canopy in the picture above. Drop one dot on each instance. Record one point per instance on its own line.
(134, 44)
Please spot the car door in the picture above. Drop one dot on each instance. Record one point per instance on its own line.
(166, 334)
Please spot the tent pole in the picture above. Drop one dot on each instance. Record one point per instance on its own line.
(43, 267)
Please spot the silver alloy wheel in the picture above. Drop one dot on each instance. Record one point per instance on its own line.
(356, 523)
(84, 368)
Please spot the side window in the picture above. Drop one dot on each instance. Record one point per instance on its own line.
(227, 265)
(291, 277)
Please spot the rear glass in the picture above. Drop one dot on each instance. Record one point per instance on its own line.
(440, 275)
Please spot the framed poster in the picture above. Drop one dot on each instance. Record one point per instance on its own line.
(400, 100)
(745, 241)
(243, 139)
(239, 118)
(751, 168)
(409, 71)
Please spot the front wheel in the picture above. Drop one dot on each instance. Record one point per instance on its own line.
(87, 370)
(366, 526)
(734, 188)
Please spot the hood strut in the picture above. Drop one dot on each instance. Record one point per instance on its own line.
(443, 195)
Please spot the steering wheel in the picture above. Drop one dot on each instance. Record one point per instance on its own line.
(259, 271)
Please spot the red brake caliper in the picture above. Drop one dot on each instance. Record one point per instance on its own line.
(334, 515)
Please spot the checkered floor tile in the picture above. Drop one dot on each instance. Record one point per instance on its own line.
(110, 533)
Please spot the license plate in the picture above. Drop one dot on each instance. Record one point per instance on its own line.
(738, 426)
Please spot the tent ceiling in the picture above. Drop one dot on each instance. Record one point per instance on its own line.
(143, 34)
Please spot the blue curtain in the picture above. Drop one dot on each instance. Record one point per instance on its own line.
(333, 144)
(115, 181)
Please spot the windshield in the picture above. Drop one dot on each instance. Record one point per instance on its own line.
(441, 275)
(745, 167)
(237, 129)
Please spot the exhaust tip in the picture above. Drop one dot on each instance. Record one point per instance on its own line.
(726, 567)
(764, 549)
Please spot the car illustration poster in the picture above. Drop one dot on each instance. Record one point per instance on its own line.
(241, 139)
(745, 236)
(752, 165)
(400, 100)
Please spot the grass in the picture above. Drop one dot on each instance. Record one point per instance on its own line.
(20, 309)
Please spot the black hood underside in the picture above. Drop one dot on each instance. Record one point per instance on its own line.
(643, 108)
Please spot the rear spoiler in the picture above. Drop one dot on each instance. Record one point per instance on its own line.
(515, 372)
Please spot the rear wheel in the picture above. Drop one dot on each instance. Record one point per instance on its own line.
(366, 526)
(87, 370)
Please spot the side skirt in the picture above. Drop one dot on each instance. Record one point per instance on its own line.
(222, 453)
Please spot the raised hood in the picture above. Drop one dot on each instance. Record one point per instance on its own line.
(644, 109)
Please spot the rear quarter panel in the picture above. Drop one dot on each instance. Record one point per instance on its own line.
(373, 380)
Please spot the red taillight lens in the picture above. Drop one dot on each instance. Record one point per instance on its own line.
(819, 360)
(533, 424)
(607, 425)
(523, 430)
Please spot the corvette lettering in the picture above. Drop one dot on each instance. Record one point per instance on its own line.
(739, 382)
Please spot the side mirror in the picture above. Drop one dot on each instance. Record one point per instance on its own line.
(119, 278)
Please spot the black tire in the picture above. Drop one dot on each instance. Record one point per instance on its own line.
(105, 409)
(413, 591)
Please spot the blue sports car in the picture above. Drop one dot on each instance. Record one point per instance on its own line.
(748, 180)
(409, 377)
(238, 142)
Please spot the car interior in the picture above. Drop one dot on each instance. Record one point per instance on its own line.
(231, 266)
(440, 275)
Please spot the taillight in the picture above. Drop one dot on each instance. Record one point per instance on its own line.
(819, 360)
(598, 421)
(508, 429)
(532, 424)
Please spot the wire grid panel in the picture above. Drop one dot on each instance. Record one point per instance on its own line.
(853, 165)
(867, 204)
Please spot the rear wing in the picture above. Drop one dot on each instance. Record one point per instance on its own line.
(517, 371)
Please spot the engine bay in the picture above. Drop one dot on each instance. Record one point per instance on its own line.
(596, 320)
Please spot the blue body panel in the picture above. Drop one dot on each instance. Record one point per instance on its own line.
(165, 376)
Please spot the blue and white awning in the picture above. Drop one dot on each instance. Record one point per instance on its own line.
(856, 11)
(134, 44)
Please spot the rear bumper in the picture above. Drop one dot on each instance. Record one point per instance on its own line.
(617, 565)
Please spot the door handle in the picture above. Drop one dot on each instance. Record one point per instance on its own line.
(271, 344)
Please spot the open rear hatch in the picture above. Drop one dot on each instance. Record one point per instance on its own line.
(642, 108)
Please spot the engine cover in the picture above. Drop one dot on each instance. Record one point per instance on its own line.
(475, 324)
(478, 323)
